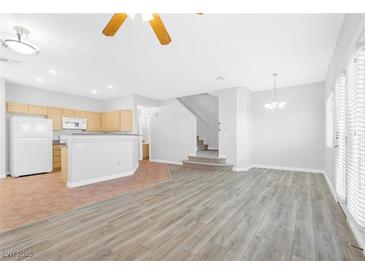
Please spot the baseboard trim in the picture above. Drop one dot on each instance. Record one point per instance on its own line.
(290, 168)
(2, 176)
(165, 162)
(242, 168)
(101, 179)
(330, 185)
(356, 230)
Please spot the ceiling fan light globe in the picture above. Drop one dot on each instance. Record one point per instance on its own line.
(282, 104)
(20, 47)
(131, 15)
(147, 17)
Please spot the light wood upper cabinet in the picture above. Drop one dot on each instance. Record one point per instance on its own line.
(115, 120)
(93, 121)
(18, 108)
(126, 120)
(80, 114)
(105, 121)
(56, 115)
(118, 120)
(68, 112)
(40, 110)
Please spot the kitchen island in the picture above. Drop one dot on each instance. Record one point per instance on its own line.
(93, 158)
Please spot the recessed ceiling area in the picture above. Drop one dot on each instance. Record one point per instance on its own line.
(243, 49)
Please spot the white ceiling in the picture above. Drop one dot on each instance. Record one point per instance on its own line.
(244, 49)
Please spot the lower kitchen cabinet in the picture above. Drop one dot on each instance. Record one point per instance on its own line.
(56, 157)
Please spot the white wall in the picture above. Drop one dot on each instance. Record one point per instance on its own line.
(227, 99)
(291, 137)
(235, 136)
(2, 129)
(144, 101)
(31, 95)
(173, 132)
(244, 129)
(206, 106)
(352, 31)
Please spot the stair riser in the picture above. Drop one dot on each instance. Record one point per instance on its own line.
(207, 160)
(202, 147)
(207, 167)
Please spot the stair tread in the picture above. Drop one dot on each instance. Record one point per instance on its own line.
(207, 164)
(207, 157)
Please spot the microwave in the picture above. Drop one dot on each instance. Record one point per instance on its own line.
(73, 123)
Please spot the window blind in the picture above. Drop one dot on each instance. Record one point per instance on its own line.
(355, 127)
(340, 126)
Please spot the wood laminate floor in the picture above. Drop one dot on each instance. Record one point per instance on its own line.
(261, 214)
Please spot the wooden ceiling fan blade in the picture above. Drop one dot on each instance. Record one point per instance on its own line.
(114, 24)
(160, 29)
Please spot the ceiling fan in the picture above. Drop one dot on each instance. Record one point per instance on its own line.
(155, 21)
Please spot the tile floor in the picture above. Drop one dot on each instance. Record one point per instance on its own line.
(28, 199)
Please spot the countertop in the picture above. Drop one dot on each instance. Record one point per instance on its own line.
(101, 134)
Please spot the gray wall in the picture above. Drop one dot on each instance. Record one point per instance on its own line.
(206, 106)
(294, 136)
(172, 132)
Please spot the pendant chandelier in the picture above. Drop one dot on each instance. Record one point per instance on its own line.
(275, 103)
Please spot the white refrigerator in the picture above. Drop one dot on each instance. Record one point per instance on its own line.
(30, 146)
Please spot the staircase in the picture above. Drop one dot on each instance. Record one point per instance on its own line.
(206, 159)
(200, 144)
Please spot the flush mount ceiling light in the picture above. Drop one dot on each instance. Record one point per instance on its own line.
(109, 86)
(18, 45)
(145, 16)
(93, 91)
(275, 103)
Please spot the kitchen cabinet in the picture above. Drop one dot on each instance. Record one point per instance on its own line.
(126, 120)
(18, 108)
(68, 112)
(56, 115)
(40, 110)
(118, 120)
(93, 122)
(105, 121)
(56, 157)
(64, 163)
(80, 114)
(146, 151)
(115, 120)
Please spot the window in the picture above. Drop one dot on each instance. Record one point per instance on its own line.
(340, 153)
(350, 136)
(329, 121)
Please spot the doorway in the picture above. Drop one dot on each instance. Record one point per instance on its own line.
(144, 114)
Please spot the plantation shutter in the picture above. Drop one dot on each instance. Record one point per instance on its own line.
(355, 124)
(340, 126)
